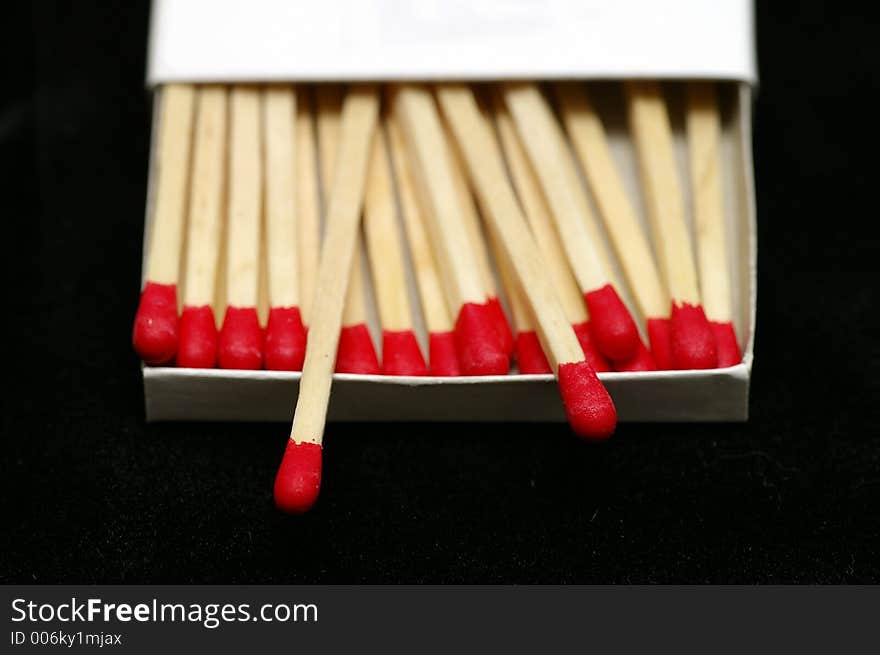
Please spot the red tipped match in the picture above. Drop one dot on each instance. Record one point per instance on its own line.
(502, 325)
(241, 340)
(614, 329)
(356, 352)
(729, 353)
(693, 343)
(597, 360)
(155, 325)
(588, 406)
(529, 355)
(660, 337)
(298, 480)
(401, 354)
(476, 341)
(285, 340)
(442, 354)
(197, 346)
(643, 361)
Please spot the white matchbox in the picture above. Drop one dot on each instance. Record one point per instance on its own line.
(598, 41)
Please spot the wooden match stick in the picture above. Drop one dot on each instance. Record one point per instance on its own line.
(704, 143)
(587, 134)
(442, 357)
(197, 344)
(587, 404)
(308, 210)
(475, 232)
(614, 329)
(692, 343)
(241, 337)
(480, 351)
(155, 325)
(299, 477)
(537, 212)
(357, 354)
(285, 335)
(401, 354)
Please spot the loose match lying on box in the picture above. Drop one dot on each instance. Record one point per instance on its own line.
(489, 228)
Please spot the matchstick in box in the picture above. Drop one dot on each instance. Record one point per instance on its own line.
(442, 356)
(155, 325)
(401, 354)
(587, 404)
(704, 144)
(692, 342)
(308, 209)
(480, 350)
(357, 353)
(285, 335)
(241, 337)
(537, 212)
(197, 347)
(587, 134)
(612, 326)
(298, 480)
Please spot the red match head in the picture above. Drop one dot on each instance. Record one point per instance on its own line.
(198, 338)
(594, 358)
(241, 340)
(155, 325)
(401, 354)
(442, 355)
(298, 480)
(693, 342)
(643, 361)
(588, 406)
(502, 326)
(285, 340)
(477, 343)
(530, 356)
(356, 352)
(660, 338)
(613, 328)
(729, 353)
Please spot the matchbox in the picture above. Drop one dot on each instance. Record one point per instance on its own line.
(598, 42)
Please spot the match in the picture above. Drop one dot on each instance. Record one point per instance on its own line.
(692, 342)
(155, 325)
(588, 406)
(285, 335)
(704, 143)
(308, 208)
(401, 354)
(613, 328)
(298, 480)
(197, 344)
(241, 337)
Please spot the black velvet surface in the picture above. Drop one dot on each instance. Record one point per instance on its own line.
(90, 493)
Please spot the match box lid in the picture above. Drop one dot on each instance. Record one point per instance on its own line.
(350, 40)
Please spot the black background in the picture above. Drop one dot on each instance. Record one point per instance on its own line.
(92, 494)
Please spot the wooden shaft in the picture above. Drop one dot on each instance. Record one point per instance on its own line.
(357, 130)
(489, 178)
(433, 302)
(519, 310)
(587, 134)
(308, 208)
(281, 221)
(384, 245)
(430, 159)
(245, 198)
(649, 122)
(172, 165)
(538, 214)
(704, 146)
(539, 133)
(206, 196)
